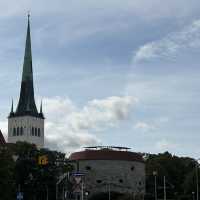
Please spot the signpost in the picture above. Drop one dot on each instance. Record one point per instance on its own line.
(20, 196)
(78, 187)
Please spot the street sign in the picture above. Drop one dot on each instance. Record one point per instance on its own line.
(20, 196)
(77, 181)
(78, 174)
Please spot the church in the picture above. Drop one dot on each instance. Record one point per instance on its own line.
(26, 123)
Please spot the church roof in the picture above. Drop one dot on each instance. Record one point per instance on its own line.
(26, 105)
(2, 140)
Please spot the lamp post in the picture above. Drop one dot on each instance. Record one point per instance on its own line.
(109, 191)
(165, 196)
(155, 183)
(193, 193)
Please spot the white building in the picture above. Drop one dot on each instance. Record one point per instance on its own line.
(26, 123)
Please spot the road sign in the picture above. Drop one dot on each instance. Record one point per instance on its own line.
(78, 174)
(43, 160)
(77, 181)
(20, 196)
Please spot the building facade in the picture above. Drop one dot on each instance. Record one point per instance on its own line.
(26, 123)
(110, 170)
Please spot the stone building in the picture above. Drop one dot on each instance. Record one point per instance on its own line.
(26, 123)
(111, 169)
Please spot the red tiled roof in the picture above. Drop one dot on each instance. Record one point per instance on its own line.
(106, 155)
(2, 140)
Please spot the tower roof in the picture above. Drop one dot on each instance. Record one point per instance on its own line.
(2, 140)
(26, 104)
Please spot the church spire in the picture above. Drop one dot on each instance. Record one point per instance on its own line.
(41, 112)
(26, 105)
(11, 111)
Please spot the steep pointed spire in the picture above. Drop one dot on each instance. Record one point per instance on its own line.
(27, 67)
(12, 110)
(26, 105)
(12, 107)
(41, 112)
(41, 107)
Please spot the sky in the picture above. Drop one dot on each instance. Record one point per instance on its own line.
(122, 73)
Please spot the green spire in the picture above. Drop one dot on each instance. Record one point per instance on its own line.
(26, 105)
(12, 107)
(27, 67)
(41, 108)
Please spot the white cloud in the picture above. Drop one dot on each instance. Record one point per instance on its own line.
(165, 145)
(68, 127)
(171, 45)
(143, 126)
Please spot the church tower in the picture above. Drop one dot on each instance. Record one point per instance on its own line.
(26, 123)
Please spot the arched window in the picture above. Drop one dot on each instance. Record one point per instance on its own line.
(21, 131)
(38, 132)
(32, 132)
(35, 131)
(17, 131)
(14, 131)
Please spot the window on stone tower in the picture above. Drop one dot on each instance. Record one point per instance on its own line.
(35, 131)
(14, 131)
(21, 131)
(32, 132)
(17, 131)
(38, 132)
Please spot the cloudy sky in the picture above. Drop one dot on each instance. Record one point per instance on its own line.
(111, 72)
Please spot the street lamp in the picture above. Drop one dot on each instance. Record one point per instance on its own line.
(155, 183)
(193, 193)
(165, 196)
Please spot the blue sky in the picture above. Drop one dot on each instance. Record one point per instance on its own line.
(109, 72)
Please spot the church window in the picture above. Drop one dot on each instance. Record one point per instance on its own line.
(14, 131)
(21, 131)
(88, 168)
(32, 132)
(99, 181)
(17, 131)
(120, 180)
(38, 132)
(35, 131)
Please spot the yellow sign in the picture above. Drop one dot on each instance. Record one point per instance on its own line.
(43, 160)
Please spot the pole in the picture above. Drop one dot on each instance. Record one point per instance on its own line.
(109, 191)
(193, 198)
(164, 188)
(82, 190)
(155, 184)
(56, 191)
(47, 192)
(197, 177)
